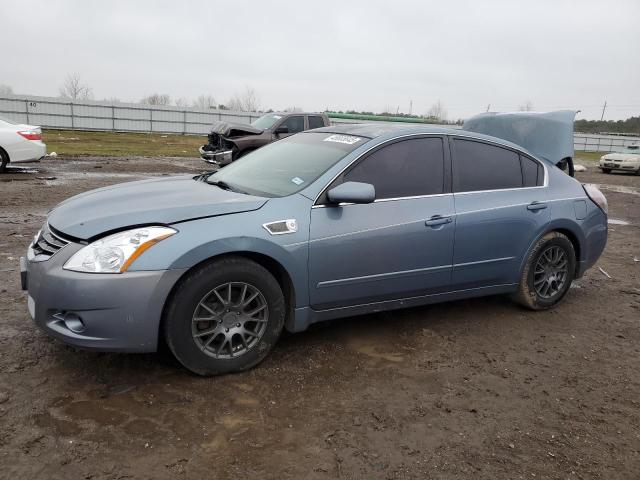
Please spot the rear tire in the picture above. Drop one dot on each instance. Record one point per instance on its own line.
(224, 317)
(548, 273)
(4, 160)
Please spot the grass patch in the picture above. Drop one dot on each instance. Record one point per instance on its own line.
(588, 157)
(119, 144)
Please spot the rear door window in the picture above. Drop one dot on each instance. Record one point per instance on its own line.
(315, 121)
(479, 166)
(403, 169)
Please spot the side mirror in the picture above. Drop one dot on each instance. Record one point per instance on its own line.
(352, 192)
(281, 129)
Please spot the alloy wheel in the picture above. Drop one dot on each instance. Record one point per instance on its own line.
(230, 320)
(550, 272)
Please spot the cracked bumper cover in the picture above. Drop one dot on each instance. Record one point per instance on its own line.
(118, 312)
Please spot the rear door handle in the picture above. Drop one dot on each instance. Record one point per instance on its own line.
(438, 220)
(534, 206)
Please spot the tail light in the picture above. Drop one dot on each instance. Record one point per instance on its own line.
(596, 196)
(30, 135)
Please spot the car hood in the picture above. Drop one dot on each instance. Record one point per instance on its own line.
(227, 129)
(159, 201)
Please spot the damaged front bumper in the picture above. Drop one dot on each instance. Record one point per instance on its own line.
(216, 157)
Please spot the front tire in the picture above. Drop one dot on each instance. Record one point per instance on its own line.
(606, 170)
(224, 317)
(548, 273)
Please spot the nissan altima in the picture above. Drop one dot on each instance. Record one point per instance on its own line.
(328, 223)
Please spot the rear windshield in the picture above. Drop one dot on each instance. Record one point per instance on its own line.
(288, 165)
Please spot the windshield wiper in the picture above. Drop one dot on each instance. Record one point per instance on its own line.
(220, 184)
(225, 186)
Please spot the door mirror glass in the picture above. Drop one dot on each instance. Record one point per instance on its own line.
(281, 129)
(352, 192)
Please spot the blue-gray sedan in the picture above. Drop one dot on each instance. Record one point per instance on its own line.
(328, 223)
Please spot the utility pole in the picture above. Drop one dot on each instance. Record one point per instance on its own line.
(410, 106)
(488, 107)
(603, 109)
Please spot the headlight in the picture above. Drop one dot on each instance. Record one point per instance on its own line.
(115, 253)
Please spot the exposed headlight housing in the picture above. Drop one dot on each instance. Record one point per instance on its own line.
(115, 253)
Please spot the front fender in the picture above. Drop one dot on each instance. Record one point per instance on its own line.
(203, 239)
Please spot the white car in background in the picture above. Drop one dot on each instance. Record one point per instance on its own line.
(19, 143)
(627, 160)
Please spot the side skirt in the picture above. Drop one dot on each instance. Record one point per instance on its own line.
(305, 316)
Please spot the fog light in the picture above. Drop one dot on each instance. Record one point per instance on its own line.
(73, 322)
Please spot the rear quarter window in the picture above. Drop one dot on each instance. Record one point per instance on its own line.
(532, 172)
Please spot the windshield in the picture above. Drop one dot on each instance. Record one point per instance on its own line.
(288, 165)
(266, 121)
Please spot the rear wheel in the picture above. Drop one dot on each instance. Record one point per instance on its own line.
(224, 317)
(548, 273)
(4, 160)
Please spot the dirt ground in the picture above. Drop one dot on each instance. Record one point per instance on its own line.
(471, 389)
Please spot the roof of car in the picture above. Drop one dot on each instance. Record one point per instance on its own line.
(373, 130)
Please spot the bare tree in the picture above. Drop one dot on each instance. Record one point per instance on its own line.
(181, 102)
(437, 111)
(156, 99)
(205, 102)
(526, 107)
(245, 102)
(387, 110)
(112, 100)
(75, 89)
(6, 90)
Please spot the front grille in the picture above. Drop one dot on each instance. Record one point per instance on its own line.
(47, 244)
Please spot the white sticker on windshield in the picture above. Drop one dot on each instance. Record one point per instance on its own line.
(297, 180)
(277, 117)
(348, 139)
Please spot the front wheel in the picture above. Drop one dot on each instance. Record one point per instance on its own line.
(224, 317)
(606, 170)
(548, 273)
(4, 160)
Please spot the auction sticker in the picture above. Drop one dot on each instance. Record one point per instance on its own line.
(297, 180)
(348, 139)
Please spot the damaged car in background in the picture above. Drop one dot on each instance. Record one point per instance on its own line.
(229, 141)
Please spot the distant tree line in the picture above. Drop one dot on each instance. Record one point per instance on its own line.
(630, 125)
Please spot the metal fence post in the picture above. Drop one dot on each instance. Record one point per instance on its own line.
(150, 120)
(184, 122)
(113, 118)
(72, 119)
(26, 108)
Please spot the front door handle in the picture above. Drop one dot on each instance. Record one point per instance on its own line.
(535, 206)
(438, 220)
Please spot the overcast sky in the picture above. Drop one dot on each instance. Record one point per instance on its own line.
(338, 55)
